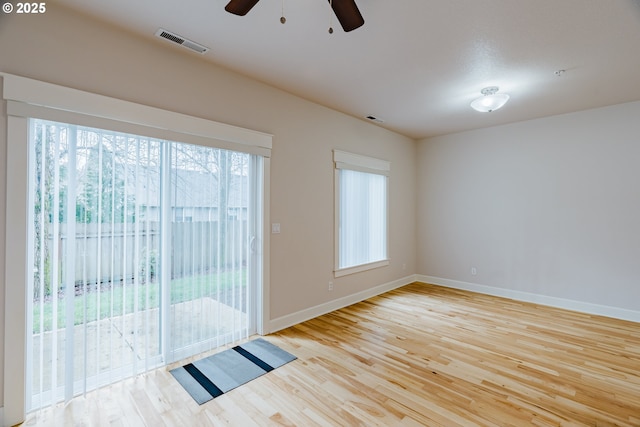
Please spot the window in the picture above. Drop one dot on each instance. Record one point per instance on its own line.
(98, 253)
(361, 212)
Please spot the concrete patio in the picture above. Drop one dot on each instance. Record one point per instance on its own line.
(124, 345)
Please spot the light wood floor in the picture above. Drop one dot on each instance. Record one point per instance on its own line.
(418, 356)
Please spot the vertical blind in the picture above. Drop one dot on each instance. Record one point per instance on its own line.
(363, 218)
(140, 251)
(210, 251)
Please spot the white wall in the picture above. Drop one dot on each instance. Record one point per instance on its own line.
(549, 207)
(64, 48)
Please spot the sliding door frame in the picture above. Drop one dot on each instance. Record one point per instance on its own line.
(26, 98)
(16, 271)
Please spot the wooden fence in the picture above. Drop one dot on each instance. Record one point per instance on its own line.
(109, 254)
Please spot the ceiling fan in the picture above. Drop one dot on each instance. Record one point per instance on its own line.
(346, 11)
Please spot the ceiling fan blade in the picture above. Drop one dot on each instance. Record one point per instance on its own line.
(347, 13)
(240, 7)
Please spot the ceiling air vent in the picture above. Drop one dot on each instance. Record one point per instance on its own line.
(196, 47)
(375, 119)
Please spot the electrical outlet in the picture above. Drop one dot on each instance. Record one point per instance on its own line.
(330, 288)
(474, 271)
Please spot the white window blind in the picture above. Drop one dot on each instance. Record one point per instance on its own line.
(92, 244)
(361, 212)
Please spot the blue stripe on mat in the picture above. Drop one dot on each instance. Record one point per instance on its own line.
(215, 375)
(194, 388)
(268, 352)
(254, 359)
(202, 380)
(228, 369)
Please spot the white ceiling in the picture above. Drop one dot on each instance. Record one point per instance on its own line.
(416, 64)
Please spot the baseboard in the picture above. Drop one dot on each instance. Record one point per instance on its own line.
(583, 307)
(318, 310)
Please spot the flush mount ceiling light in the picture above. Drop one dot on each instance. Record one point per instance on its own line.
(490, 100)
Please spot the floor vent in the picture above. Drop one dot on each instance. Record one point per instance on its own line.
(168, 35)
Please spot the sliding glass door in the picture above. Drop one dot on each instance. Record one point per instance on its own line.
(211, 223)
(141, 252)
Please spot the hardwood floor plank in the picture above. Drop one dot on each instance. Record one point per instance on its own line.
(421, 355)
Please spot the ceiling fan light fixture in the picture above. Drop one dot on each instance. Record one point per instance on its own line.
(490, 100)
(283, 20)
(346, 11)
(240, 7)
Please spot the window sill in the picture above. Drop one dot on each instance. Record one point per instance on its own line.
(360, 268)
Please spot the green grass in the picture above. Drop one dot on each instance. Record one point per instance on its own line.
(121, 299)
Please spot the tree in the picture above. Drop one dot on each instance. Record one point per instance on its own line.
(102, 196)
